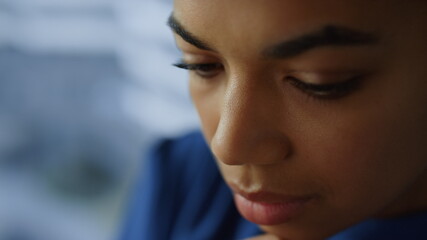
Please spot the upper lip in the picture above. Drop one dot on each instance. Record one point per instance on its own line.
(264, 196)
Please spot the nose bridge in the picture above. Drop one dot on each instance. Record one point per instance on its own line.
(240, 113)
(242, 104)
(247, 131)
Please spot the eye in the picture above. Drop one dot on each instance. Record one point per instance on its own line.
(205, 70)
(327, 91)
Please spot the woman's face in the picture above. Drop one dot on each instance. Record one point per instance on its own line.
(316, 111)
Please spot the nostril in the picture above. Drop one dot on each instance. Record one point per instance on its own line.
(227, 150)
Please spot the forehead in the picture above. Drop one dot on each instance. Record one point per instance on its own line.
(264, 22)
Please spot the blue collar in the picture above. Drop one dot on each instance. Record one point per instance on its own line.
(413, 226)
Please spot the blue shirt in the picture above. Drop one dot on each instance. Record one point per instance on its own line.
(181, 196)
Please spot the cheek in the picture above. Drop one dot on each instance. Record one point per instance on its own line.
(208, 106)
(371, 158)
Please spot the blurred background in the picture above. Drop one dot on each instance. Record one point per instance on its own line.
(86, 86)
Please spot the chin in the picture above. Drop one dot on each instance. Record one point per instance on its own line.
(285, 234)
(299, 231)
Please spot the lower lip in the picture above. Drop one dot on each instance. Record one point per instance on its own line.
(269, 213)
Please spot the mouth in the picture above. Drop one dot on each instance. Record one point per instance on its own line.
(268, 208)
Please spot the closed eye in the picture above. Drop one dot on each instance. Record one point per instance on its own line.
(204, 70)
(327, 91)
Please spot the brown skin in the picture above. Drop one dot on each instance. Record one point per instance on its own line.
(363, 154)
(265, 237)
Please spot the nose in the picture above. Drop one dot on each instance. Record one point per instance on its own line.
(250, 127)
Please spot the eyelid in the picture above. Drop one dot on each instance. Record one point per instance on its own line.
(329, 90)
(324, 77)
(196, 66)
(203, 70)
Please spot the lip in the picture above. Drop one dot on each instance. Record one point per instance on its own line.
(268, 208)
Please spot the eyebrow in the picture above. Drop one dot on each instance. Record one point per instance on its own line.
(176, 26)
(329, 35)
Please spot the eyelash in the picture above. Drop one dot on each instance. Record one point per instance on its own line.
(318, 91)
(327, 91)
(205, 70)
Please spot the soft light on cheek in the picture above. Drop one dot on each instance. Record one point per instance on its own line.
(208, 106)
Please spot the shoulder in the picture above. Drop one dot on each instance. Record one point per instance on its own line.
(182, 156)
(189, 145)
